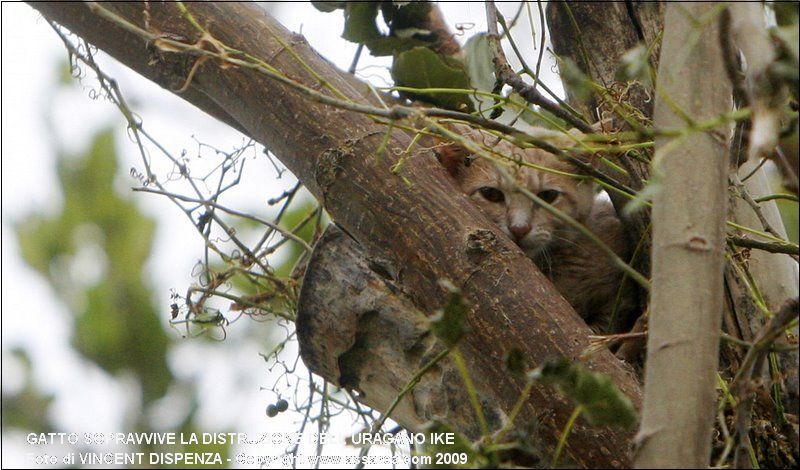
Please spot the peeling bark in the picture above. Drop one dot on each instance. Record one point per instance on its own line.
(377, 340)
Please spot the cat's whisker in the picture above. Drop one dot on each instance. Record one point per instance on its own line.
(577, 245)
(546, 262)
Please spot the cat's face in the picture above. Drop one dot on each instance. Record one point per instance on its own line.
(534, 229)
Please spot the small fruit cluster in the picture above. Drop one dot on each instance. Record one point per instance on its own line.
(279, 407)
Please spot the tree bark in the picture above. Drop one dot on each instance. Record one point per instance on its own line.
(688, 249)
(377, 340)
(423, 233)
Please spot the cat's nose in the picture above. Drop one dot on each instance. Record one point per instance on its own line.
(519, 231)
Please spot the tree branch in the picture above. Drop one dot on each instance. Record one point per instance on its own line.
(509, 77)
(772, 247)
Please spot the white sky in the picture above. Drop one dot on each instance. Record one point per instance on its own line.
(230, 373)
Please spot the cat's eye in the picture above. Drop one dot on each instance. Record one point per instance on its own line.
(549, 196)
(492, 194)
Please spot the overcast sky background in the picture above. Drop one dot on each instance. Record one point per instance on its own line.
(231, 372)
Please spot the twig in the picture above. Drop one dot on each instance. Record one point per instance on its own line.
(508, 76)
(531, 73)
(357, 56)
(749, 372)
(213, 204)
(785, 248)
(770, 197)
(745, 194)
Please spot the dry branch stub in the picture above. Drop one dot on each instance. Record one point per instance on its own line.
(378, 339)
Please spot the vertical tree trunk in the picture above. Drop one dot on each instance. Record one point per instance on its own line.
(689, 215)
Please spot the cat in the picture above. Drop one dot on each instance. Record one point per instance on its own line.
(583, 275)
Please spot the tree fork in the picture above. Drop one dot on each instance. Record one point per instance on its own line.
(424, 232)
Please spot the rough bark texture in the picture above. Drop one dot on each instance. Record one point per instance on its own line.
(596, 37)
(378, 340)
(422, 233)
(688, 250)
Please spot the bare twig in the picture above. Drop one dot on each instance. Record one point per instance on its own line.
(508, 76)
(745, 194)
(745, 242)
(243, 215)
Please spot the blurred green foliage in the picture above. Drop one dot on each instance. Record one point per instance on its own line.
(116, 324)
(26, 408)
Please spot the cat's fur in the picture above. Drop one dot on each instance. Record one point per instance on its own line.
(578, 269)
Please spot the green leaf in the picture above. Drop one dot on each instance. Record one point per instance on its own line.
(478, 63)
(359, 22)
(448, 323)
(360, 26)
(390, 45)
(403, 19)
(602, 402)
(420, 67)
(479, 67)
(635, 65)
(328, 7)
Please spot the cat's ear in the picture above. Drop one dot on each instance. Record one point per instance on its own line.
(452, 157)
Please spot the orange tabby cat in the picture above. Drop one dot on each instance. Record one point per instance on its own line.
(577, 268)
